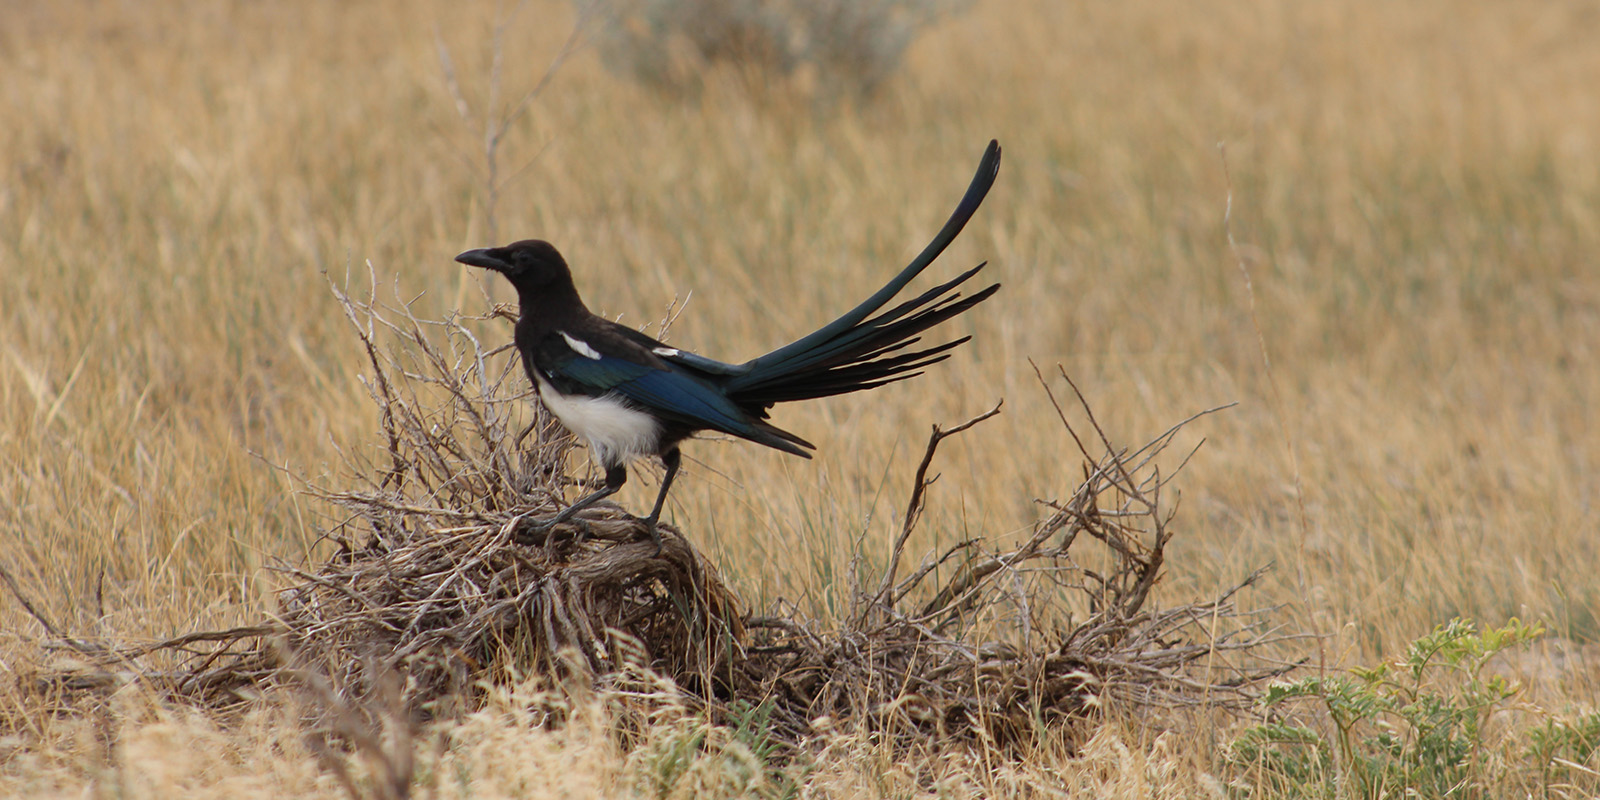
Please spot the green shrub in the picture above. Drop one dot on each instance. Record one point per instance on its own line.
(1416, 727)
(851, 46)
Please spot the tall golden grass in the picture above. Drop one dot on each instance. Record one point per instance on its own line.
(1408, 314)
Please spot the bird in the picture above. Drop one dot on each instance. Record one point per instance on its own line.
(630, 396)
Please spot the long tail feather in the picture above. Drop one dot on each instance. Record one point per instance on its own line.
(780, 361)
(865, 356)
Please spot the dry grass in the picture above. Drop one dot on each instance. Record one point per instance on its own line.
(1415, 192)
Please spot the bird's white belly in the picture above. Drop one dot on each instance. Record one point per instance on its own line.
(615, 432)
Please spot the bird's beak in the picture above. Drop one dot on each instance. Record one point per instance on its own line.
(484, 257)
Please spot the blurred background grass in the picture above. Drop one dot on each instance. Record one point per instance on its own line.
(1415, 196)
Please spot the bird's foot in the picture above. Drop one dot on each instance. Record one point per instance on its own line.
(541, 531)
(651, 526)
(585, 530)
(534, 532)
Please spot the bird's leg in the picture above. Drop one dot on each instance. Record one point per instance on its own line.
(671, 459)
(615, 477)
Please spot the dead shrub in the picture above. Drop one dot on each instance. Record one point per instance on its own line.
(438, 585)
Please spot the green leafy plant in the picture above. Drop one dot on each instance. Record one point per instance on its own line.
(1415, 727)
(1563, 745)
(700, 759)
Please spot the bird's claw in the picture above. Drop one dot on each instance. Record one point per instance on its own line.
(650, 527)
(541, 530)
(585, 530)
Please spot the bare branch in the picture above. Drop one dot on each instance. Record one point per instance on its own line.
(919, 487)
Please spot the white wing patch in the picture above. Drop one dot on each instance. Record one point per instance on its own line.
(665, 352)
(581, 347)
(615, 432)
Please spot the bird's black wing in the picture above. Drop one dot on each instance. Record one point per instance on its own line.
(653, 385)
(683, 358)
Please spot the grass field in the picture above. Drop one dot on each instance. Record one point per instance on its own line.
(1408, 318)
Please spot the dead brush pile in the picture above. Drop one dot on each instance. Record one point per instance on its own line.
(439, 584)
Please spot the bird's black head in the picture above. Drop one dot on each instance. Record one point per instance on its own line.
(529, 264)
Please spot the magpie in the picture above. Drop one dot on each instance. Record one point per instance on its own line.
(629, 395)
